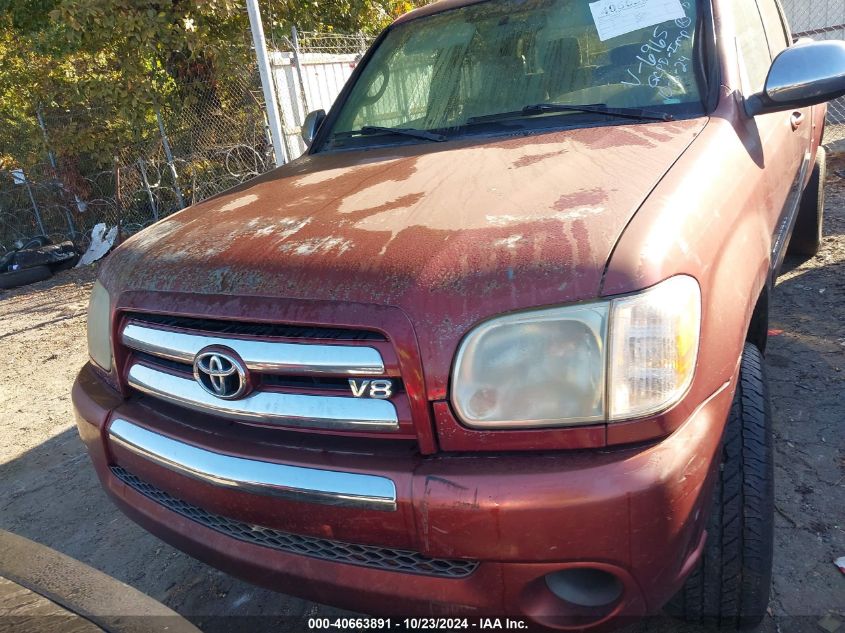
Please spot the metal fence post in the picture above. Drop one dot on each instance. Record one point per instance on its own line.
(298, 63)
(169, 154)
(46, 138)
(118, 198)
(268, 136)
(267, 84)
(52, 158)
(34, 207)
(146, 182)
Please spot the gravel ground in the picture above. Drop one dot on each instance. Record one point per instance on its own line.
(49, 493)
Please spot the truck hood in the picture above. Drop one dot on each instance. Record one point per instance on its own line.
(450, 233)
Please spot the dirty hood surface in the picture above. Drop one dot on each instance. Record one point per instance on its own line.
(451, 233)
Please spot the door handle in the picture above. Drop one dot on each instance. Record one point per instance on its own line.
(796, 120)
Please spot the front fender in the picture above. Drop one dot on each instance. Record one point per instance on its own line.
(707, 218)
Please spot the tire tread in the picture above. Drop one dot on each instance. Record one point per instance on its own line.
(807, 235)
(730, 587)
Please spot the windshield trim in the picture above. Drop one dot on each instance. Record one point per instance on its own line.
(323, 138)
(709, 75)
(554, 122)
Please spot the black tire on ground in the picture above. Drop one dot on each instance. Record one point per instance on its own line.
(35, 242)
(24, 277)
(65, 265)
(6, 261)
(730, 587)
(809, 226)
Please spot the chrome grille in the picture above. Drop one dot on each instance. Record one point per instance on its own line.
(261, 330)
(335, 551)
(286, 373)
(259, 355)
(267, 407)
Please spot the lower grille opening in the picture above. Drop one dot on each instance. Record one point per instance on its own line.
(324, 549)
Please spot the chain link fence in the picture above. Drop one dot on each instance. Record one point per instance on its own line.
(208, 136)
(821, 20)
(310, 70)
(309, 42)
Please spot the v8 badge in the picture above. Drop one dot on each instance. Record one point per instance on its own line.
(374, 389)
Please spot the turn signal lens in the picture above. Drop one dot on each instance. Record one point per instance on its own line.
(99, 330)
(653, 348)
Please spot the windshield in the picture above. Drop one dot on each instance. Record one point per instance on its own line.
(449, 72)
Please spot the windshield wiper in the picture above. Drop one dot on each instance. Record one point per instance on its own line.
(370, 130)
(594, 108)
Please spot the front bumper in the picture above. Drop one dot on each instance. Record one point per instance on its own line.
(636, 513)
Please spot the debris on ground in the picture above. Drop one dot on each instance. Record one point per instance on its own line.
(102, 242)
(47, 255)
(35, 260)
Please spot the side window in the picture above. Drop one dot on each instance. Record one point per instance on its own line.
(752, 42)
(775, 30)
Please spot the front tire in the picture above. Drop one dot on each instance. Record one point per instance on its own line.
(809, 226)
(730, 587)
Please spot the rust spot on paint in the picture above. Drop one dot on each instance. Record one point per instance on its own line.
(526, 161)
(590, 197)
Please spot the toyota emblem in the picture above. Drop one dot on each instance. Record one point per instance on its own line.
(221, 373)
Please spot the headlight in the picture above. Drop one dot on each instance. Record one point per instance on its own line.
(99, 327)
(534, 369)
(554, 367)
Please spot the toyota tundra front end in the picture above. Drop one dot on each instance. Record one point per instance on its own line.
(492, 345)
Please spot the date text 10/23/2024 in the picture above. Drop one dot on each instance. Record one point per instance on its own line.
(417, 624)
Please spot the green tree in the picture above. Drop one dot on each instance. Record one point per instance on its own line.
(98, 68)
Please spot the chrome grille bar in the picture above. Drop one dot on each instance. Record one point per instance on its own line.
(310, 485)
(261, 356)
(268, 407)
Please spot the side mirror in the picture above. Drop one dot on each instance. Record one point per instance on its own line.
(312, 125)
(801, 76)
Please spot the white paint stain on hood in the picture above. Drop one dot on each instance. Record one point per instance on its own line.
(322, 246)
(237, 203)
(283, 228)
(508, 242)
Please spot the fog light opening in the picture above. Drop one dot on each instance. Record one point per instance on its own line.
(585, 587)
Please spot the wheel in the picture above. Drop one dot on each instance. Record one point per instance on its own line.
(24, 277)
(807, 235)
(730, 587)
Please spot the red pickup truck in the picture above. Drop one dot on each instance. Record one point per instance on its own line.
(493, 346)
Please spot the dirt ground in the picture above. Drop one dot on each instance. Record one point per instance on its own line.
(48, 491)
